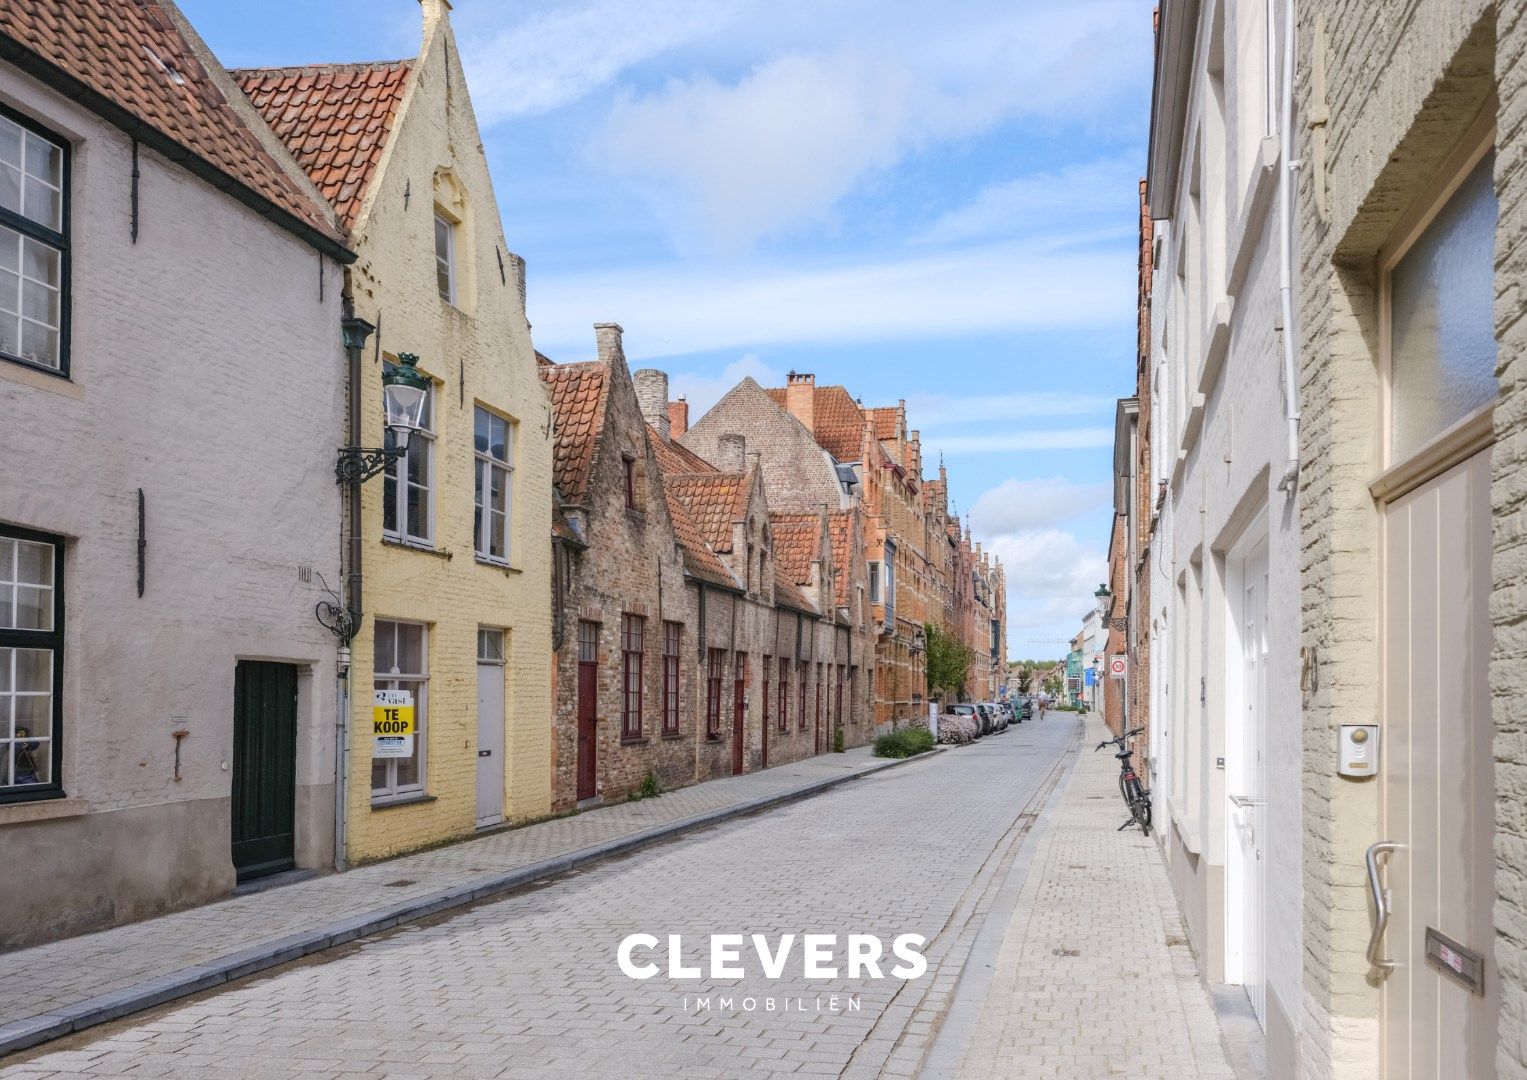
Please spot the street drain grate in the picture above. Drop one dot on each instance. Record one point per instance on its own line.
(400, 883)
(1066, 952)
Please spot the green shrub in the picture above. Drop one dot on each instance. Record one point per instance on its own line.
(650, 788)
(904, 743)
(837, 741)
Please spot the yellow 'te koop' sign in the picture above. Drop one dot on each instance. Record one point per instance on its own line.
(392, 713)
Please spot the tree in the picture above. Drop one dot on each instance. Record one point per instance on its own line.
(948, 661)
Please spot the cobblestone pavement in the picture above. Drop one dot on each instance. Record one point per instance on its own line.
(1094, 977)
(528, 985)
(42, 979)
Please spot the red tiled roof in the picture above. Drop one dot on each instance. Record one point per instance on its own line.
(676, 459)
(133, 54)
(788, 595)
(334, 118)
(715, 500)
(699, 559)
(577, 402)
(839, 420)
(885, 423)
(841, 525)
(797, 541)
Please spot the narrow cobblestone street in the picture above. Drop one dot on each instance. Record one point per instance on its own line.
(528, 986)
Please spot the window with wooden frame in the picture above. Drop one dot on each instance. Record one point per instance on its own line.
(493, 452)
(408, 496)
(784, 694)
(768, 672)
(817, 706)
(1438, 321)
(628, 467)
(34, 245)
(715, 669)
(672, 634)
(801, 670)
(632, 631)
(31, 664)
(400, 661)
(445, 257)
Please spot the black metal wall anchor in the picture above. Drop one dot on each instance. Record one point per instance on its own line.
(358, 464)
(142, 543)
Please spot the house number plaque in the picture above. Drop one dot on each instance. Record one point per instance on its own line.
(1464, 966)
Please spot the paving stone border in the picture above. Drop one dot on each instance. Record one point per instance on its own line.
(54, 1024)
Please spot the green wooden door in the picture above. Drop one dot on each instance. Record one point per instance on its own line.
(264, 767)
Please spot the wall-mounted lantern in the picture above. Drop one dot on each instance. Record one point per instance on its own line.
(403, 395)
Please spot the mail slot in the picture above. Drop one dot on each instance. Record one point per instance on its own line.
(1463, 965)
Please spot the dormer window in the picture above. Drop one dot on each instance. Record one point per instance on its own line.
(445, 257)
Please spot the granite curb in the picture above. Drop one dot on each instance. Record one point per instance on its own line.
(56, 1023)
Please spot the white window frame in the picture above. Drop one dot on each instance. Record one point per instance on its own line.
(446, 261)
(422, 441)
(875, 590)
(28, 237)
(418, 682)
(484, 467)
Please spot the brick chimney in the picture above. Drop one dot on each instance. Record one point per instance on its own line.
(801, 399)
(732, 453)
(652, 396)
(434, 11)
(608, 334)
(678, 418)
(915, 454)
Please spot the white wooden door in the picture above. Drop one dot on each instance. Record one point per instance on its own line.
(490, 743)
(1436, 774)
(1246, 812)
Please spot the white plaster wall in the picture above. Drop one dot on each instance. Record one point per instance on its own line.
(1222, 476)
(205, 370)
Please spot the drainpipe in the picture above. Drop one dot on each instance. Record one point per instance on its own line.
(1288, 184)
(356, 331)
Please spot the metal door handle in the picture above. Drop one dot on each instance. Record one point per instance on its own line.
(1380, 904)
(1244, 801)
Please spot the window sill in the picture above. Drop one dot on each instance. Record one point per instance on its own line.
(669, 736)
(42, 808)
(411, 545)
(633, 740)
(494, 564)
(712, 738)
(405, 800)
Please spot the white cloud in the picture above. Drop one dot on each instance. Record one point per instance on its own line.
(776, 148)
(703, 389)
(1096, 190)
(561, 54)
(1087, 438)
(693, 307)
(1016, 506)
(1050, 578)
(935, 410)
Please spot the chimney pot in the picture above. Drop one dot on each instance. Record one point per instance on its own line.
(678, 418)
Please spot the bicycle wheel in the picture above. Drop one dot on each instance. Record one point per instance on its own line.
(1140, 806)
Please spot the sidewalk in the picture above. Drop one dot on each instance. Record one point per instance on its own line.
(1092, 975)
(50, 990)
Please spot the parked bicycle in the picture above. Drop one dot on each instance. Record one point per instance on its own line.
(1135, 796)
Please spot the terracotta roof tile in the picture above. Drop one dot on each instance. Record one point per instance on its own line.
(132, 52)
(797, 541)
(885, 423)
(841, 524)
(578, 394)
(699, 559)
(675, 458)
(334, 118)
(788, 595)
(715, 500)
(839, 420)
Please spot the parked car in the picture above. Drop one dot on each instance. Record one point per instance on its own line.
(999, 714)
(1026, 709)
(994, 720)
(966, 709)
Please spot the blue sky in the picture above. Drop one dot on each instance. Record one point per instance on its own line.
(933, 202)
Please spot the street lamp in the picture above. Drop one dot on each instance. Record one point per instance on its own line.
(1103, 597)
(403, 397)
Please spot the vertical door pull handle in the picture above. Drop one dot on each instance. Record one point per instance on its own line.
(1380, 905)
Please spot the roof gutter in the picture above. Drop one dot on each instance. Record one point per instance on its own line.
(49, 74)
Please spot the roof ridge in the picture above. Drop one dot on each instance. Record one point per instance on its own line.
(314, 69)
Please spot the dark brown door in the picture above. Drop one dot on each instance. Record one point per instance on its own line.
(739, 691)
(264, 768)
(588, 707)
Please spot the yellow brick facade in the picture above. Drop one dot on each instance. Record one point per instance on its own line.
(478, 352)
